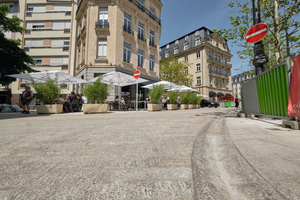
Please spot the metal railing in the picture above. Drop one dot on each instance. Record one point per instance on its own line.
(145, 10)
(218, 73)
(141, 37)
(219, 61)
(128, 30)
(102, 24)
(152, 44)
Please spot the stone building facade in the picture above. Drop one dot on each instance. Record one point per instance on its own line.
(237, 82)
(118, 35)
(210, 58)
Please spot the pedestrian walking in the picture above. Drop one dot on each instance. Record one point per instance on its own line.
(237, 101)
(26, 99)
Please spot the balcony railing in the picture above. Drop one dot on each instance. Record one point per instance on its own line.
(219, 61)
(141, 37)
(145, 10)
(152, 44)
(102, 24)
(128, 30)
(218, 73)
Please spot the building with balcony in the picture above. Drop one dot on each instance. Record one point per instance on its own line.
(237, 82)
(210, 58)
(49, 39)
(120, 36)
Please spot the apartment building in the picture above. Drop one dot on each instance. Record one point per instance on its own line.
(49, 39)
(211, 61)
(120, 36)
(238, 80)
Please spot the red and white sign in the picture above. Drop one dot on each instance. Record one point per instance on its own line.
(136, 74)
(294, 96)
(256, 33)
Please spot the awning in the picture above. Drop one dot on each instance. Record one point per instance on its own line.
(228, 95)
(220, 94)
(212, 94)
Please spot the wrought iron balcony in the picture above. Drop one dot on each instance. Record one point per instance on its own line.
(141, 37)
(152, 44)
(128, 30)
(102, 24)
(218, 73)
(145, 10)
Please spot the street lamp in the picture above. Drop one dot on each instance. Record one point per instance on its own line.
(260, 58)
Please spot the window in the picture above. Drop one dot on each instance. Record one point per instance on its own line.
(102, 48)
(57, 61)
(219, 58)
(226, 73)
(11, 8)
(209, 68)
(97, 74)
(66, 42)
(141, 5)
(186, 46)
(216, 69)
(209, 54)
(167, 54)
(198, 54)
(38, 61)
(34, 42)
(198, 80)
(176, 50)
(30, 8)
(186, 37)
(198, 67)
(141, 31)
(36, 8)
(140, 58)
(219, 70)
(186, 70)
(151, 38)
(210, 80)
(168, 46)
(82, 77)
(225, 60)
(83, 52)
(226, 84)
(216, 57)
(61, 24)
(197, 33)
(220, 83)
(36, 26)
(59, 42)
(79, 61)
(127, 23)
(152, 13)
(126, 52)
(197, 41)
(217, 82)
(103, 17)
(186, 58)
(62, 7)
(177, 41)
(151, 66)
(217, 45)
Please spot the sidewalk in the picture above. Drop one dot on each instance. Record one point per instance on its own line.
(271, 150)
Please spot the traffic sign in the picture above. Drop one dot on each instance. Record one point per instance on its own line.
(136, 74)
(256, 33)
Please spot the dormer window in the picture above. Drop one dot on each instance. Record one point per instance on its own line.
(167, 46)
(176, 42)
(167, 54)
(176, 50)
(186, 37)
(197, 33)
(185, 46)
(197, 42)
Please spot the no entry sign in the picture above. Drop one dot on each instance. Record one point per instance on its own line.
(136, 74)
(256, 33)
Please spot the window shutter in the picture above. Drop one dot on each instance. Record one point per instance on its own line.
(37, 42)
(39, 8)
(57, 42)
(62, 7)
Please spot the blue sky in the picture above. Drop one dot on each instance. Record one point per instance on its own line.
(180, 17)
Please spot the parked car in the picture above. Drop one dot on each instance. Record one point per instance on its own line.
(205, 103)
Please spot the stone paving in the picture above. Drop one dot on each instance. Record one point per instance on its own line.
(120, 155)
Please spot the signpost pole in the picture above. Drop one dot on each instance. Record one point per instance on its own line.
(260, 58)
(137, 92)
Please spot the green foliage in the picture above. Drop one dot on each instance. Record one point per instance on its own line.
(173, 95)
(185, 97)
(241, 16)
(13, 59)
(193, 98)
(173, 71)
(47, 92)
(199, 100)
(156, 93)
(96, 91)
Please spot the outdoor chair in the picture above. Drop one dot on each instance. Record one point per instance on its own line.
(75, 105)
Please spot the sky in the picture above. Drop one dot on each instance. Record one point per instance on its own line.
(179, 17)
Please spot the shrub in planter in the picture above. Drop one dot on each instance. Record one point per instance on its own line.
(96, 93)
(48, 93)
(199, 101)
(185, 98)
(173, 95)
(155, 94)
(193, 100)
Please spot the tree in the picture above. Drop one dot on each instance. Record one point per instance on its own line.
(271, 14)
(13, 59)
(176, 72)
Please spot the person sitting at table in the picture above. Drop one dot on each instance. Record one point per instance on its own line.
(128, 103)
(122, 104)
(68, 103)
(164, 101)
(84, 99)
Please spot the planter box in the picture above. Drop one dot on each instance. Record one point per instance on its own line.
(154, 107)
(184, 106)
(192, 106)
(94, 108)
(198, 106)
(49, 109)
(172, 106)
